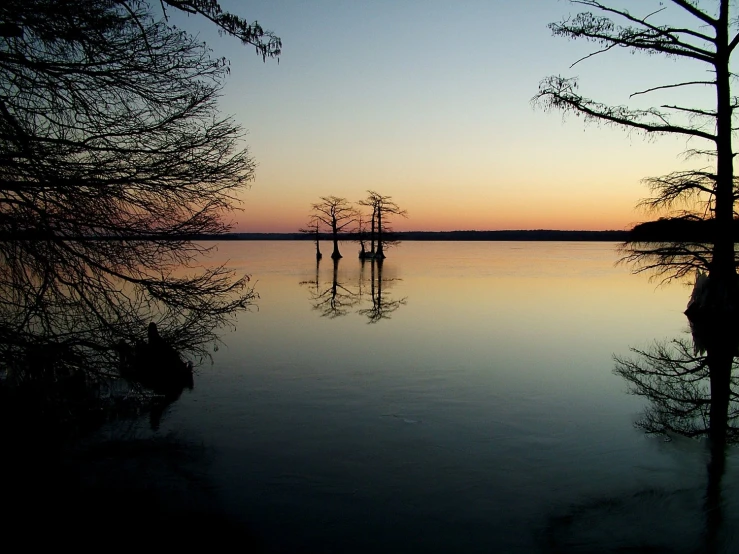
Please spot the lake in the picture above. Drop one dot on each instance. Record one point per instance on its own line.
(461, 398)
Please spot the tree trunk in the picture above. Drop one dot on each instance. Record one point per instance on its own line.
(335, 254)
(380, 254)
(372, 232)
(723, 278)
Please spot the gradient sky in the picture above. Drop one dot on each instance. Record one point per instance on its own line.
(429, 101)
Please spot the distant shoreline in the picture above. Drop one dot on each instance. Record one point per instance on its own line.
(533, 235)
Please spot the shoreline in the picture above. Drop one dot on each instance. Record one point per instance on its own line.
(532, 235)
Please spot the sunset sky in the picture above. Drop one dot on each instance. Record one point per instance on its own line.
(429, 101)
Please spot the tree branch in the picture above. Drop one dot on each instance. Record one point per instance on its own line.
(676, 85)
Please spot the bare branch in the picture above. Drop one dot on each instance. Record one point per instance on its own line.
(592, 54)
(691, 189)
(663, 87)
(266, 43)
(733, 43)
(643, 37)
(561, 93)
(693, 111)
(687, 6)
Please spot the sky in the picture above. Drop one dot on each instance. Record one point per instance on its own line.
(429, 101)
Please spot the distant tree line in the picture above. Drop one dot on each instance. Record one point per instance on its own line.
(396, 236)
(687, 228)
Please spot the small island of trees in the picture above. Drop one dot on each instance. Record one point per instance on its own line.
(336, 215)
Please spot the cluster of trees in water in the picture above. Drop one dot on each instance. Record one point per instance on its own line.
(337, 216)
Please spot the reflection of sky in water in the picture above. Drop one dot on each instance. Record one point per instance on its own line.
(479, 411)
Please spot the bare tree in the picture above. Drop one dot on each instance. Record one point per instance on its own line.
(362, 230)
(362, 235)
(314, 228)
(113, 156)
(704, 33)
(382, 208)
(336, 214)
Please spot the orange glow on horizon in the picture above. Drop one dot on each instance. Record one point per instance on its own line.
(265, 224)
(265, 216)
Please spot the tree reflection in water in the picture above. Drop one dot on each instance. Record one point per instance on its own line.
(333, 299)
(382, 305)
(65, 371)
(337, 297)
(71, 399)
(691, 392)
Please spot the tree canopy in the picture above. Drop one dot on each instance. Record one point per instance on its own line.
(113, 155)
(336, 214)
(266, 43)
(382, 208)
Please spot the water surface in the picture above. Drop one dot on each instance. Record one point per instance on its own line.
(479, 413)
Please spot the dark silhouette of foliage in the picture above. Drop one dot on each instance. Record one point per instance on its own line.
(686, 228)
(382, 207)
(336, 215)
(112, 157)
(314, 228)
(266, 43)
(706, 34)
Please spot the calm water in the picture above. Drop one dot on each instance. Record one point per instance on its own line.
(473, 410)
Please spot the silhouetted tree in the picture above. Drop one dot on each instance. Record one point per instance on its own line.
(112, 157)
(382, 208)
(336, 214)
(704, 33)
(362, 236)
(313, 228)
